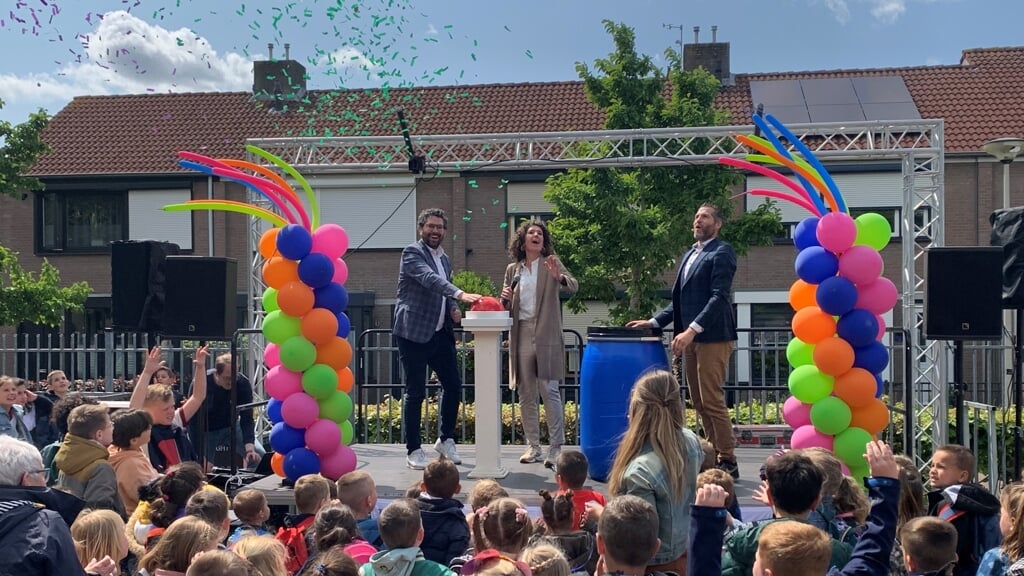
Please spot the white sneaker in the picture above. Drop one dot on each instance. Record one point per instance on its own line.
(447, 449)
(552, 457)
(417, 459)
(531, 455)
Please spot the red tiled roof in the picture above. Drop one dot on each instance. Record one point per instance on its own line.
(142, 133)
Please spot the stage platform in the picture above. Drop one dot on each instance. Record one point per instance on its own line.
(386, 462)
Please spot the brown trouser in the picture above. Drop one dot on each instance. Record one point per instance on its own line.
(705, 364)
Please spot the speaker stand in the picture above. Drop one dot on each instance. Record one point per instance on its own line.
(958, 392)
(1018, 393)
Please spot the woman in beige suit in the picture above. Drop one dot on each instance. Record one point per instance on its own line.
(536, 349)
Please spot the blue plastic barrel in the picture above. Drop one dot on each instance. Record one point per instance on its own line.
(612, 361)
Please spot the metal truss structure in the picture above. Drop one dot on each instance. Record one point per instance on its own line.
(916, 144)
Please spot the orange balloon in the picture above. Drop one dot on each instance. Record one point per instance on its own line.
(319, 325)
(802, 295)
(277, 464)
(336, 353)
(856, 387)
(268, 242)
(812, 325)
(873, 417)
(346, 380)
(279, 271)
(295, 299)
(832, 356)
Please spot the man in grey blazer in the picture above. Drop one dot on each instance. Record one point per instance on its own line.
(425, 315)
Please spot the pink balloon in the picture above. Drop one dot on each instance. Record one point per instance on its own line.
(860, 265)
(845, 469)
(879, 296)
(796, 413)
(331, 240)
(323, 437)
(281, 382)
(881, 326)
(340, 462)
(808, 437)
(340, 271)
(272, 355)
(836, 232)
(300, 410)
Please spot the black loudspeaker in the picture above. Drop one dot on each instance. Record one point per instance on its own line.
(1008, 232)
(963, 298)
(200, 302)
(137, 283)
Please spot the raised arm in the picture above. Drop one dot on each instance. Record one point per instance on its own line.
(154, 361)
(191, 406)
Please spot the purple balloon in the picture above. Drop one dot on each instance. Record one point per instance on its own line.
(323, 437)
(284, 438)
(340, 462)
(805, 234)
(808, 437)
(300, 410)
(796, 413)
(316, 270)
(861, 265)
(858, 327)
(294, 242)
(300, 462)
(874, 357)
(334, 297)
(836, 295)
(814, 264)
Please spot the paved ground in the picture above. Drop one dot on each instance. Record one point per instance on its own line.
(387, 464)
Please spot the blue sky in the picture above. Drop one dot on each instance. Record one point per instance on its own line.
(63, 48)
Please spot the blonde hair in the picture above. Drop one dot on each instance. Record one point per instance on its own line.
(851, 499)
(1012, 499)
(794, 549)
(831, 469)
(267, 553)
(183, 539)
(158, 393)
(655, 418)
(97, 533)
(545, 560)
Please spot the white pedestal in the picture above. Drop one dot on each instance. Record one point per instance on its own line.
(487, 328)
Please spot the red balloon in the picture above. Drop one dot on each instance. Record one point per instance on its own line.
(487, 304)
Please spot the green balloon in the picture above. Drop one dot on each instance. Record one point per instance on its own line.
(279, 327)
(270, 300)
(808, 384)
(347, 433)
(830, 415)
(873, 230)
(297, 354)
(799, 353)
(337, 407)
(851, 445)
(320, 381)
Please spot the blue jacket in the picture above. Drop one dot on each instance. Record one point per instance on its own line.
(370, 530)
(975, 515)
(34, 533)
(445, 530)
(11, 425)
(421, 290)
(705, 296)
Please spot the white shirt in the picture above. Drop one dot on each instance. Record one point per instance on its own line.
(698, 247)
(528, 290)
(437, 253)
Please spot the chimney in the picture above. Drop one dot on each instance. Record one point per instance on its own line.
(712, 56)
(281, 82)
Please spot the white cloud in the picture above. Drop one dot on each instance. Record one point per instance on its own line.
(431, 30)
(839, 9)
(884, 11)
(345, 57)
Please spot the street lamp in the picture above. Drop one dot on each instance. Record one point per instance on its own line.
(1005, 150)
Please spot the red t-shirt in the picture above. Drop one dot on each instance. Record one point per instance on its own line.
(579, 504)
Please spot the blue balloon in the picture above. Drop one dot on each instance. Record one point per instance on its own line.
(284, 438)
(344, 325)
(836, 296)
(858, 327)
(316, 270)
(274, 410)
(294, 242)
(334, 297)
(814, 264)
(874, 357)
(805, 234)
(881, 386)
(300, 462)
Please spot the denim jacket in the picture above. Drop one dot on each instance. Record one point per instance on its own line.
(13, 426)
(647, 478)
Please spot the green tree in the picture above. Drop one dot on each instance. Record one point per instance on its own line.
(26, 297)
(21, 148)
(622, 228)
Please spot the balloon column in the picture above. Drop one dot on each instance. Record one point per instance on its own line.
(305, 326)
(836, 356)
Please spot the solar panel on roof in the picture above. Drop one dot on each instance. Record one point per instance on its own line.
(789, 114)
(891, 111)
(774, 93)
(880, 89)
(828, 91)
(836, 113)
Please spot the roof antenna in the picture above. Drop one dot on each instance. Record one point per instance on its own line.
(417, 164)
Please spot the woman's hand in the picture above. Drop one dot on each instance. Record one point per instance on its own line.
(553, 266)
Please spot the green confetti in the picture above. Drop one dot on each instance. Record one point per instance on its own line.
(529, 54)
(507, 29)
(466, 218)
(494, 202)
(503, 225)
(473, 184)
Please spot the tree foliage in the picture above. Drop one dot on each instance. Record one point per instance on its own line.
(622, 228)
(20, 149)
(26, 297)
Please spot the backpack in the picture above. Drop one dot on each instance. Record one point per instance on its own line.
(294, 540)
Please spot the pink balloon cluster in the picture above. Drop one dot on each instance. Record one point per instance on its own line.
(837, 356)
(308, 353)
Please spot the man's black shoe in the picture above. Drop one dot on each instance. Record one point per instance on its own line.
(731, 467)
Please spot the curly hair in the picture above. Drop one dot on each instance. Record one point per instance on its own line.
(515, 245)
